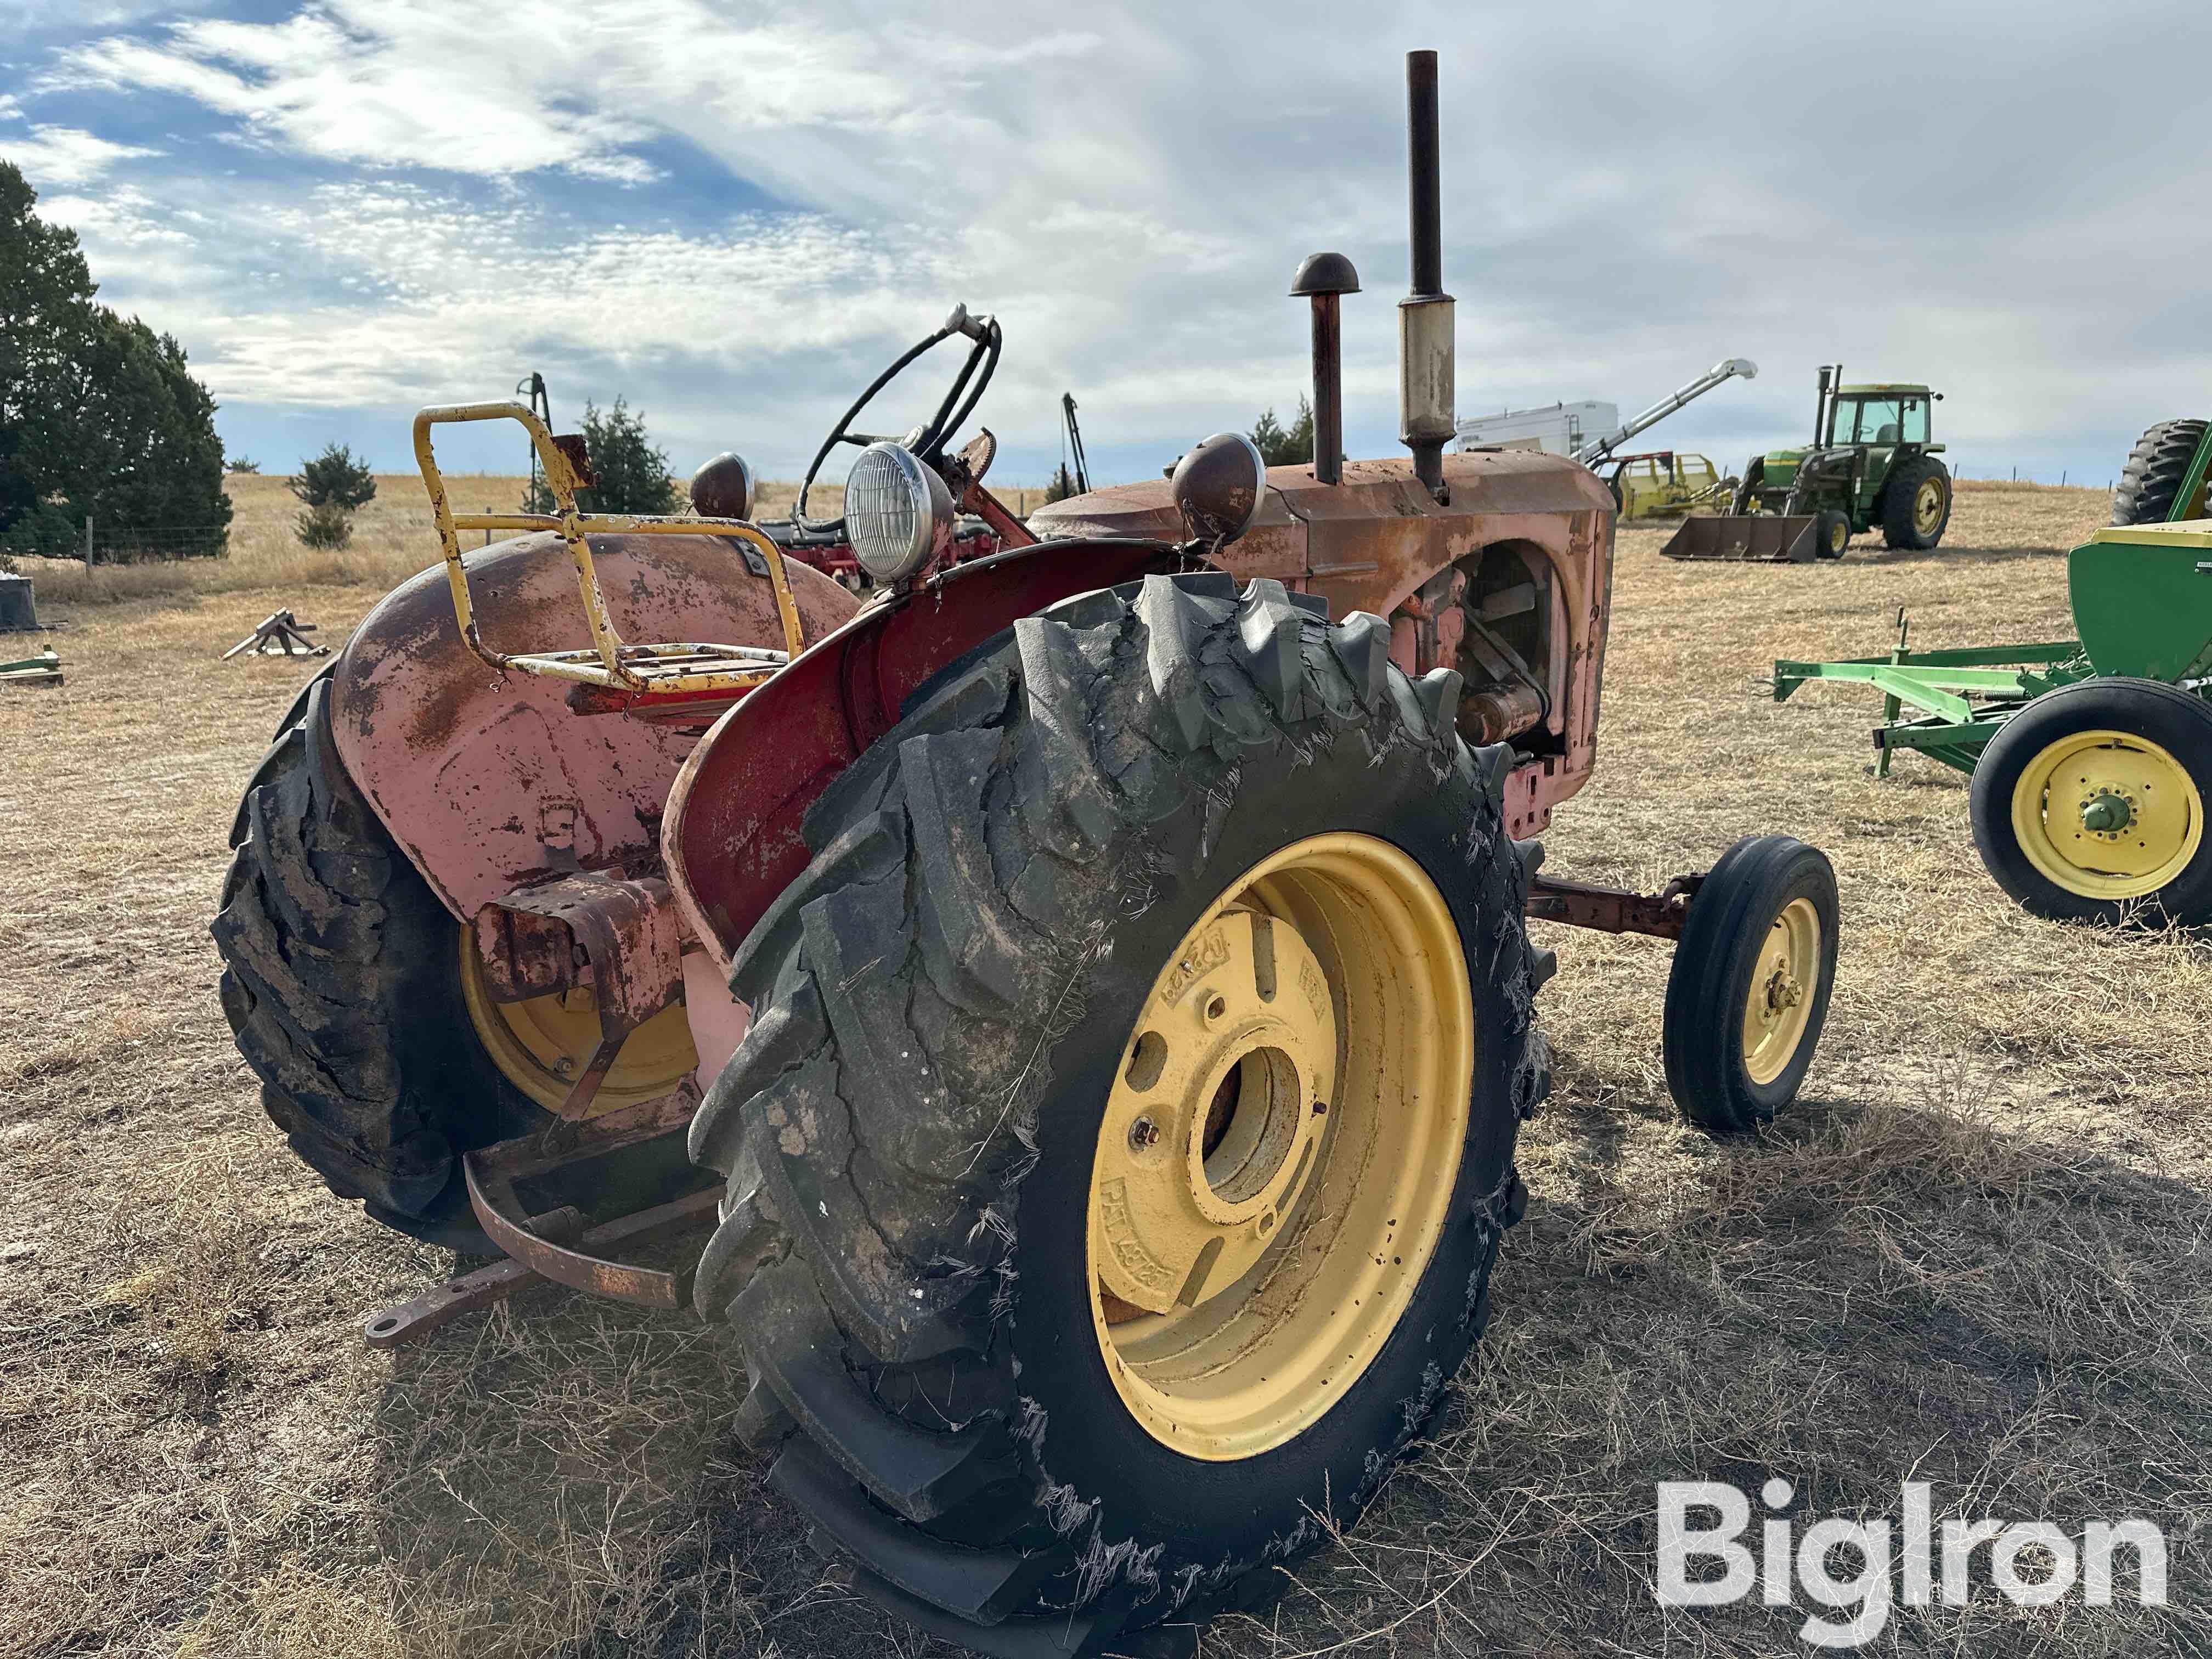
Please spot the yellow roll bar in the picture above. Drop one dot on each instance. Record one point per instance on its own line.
(671, 668)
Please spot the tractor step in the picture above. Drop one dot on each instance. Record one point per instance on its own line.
(1752, 537)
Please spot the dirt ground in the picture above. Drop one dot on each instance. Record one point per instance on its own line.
(1975, 1254)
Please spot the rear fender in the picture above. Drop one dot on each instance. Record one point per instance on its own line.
(486, 778)
(732, 840)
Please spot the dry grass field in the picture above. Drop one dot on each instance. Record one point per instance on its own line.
(1977, 1252)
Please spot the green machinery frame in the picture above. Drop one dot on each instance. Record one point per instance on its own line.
(2141, 615)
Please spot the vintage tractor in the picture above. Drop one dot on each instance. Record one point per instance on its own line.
(1132, 930)
(2091, 757)
(1871, 465)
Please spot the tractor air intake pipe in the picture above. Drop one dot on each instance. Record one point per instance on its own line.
(1324, 278)
(1821, 408)
(1426, 342)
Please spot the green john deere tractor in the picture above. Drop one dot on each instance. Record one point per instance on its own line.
(1870, 465)
(2091, 757)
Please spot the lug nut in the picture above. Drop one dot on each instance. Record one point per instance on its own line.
(1143, 1132)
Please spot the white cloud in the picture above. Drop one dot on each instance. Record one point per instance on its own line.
(65, 156)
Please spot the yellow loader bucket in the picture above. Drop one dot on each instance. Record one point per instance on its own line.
(1768, 537)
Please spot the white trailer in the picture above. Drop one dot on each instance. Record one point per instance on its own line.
(1556, 429)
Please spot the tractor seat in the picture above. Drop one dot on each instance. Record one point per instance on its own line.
(1887, 434)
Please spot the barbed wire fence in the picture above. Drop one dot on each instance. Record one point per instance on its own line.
(103, 546)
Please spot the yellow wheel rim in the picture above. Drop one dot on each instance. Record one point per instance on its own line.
(1839, 535)
(1928, 505)
(1280, 1147)
(2107, 815)
(1783, 988)
(543, 1045)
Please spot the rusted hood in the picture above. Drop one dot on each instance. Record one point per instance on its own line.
(1367, 541)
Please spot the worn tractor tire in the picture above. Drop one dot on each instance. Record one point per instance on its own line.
(2078, 740)
(342, 983)
(1902, 524)
(2153, 474)
(1831, 532)
(945, 1000)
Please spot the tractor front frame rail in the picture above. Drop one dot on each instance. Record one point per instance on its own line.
(681, 669)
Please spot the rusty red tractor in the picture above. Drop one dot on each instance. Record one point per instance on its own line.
(1087, 992)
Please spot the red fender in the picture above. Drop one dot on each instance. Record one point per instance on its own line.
(731, 837)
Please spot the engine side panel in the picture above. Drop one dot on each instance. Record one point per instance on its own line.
(487, 778)
(1372, 542)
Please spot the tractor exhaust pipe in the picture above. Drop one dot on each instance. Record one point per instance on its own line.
(1821, 408)
(1425, 342)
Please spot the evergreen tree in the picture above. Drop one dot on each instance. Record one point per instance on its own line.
(332, 485)
(631, 468)
(99, 417)
(1284, 446)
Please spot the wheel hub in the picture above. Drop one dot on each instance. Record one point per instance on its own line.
(2107, 815)
(1280, 1148)
(1776, 1009)
(1235, 1047)
(1928, 507)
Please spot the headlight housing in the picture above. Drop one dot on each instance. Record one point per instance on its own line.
(898, 513)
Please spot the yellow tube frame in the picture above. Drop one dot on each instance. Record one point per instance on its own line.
(687, 667)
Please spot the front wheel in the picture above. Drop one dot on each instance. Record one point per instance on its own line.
(1831, 532)
(2088, 804)
(1117, 1164)
(1749, 991)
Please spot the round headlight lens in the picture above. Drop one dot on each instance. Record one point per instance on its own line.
(898, 513)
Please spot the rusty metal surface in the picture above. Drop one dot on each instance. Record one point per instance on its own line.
(494, 1172)
(1372, 542)
(409, 1320)
(487, 780)
(732, 840)
(1613, 909)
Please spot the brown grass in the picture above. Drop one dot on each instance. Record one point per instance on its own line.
(1976, 1253)
(392, 538)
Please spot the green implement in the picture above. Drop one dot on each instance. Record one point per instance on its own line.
(2091, 758)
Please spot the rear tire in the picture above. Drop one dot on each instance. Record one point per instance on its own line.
(1911, 516)
(948, 995)
(2153, 476)
(342, 983)
(2120, 734)
(1768, 909)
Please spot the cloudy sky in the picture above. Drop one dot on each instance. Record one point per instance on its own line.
(733, 213)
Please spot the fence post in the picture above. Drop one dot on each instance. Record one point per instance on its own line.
(88, 541)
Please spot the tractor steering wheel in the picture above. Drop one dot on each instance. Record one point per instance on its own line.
(926, 441)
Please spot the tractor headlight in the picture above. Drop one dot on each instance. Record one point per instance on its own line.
(898, 513)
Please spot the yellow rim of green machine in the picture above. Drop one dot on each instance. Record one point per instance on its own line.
(1839, 536)
(1280, 1146)
(1928, 505)
(2107, 815)
(543, 1045)
(1783, 987)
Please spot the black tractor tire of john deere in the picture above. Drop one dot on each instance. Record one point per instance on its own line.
(942, 1001)
(1831, 532)
(1701, 1033)
(2154, 472)
(1899, 529)
(342, 982)
(2176, 720)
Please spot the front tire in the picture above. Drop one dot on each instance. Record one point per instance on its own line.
(2089, 804)
(1748, 991)
(940, 1134)
(1831, 532)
